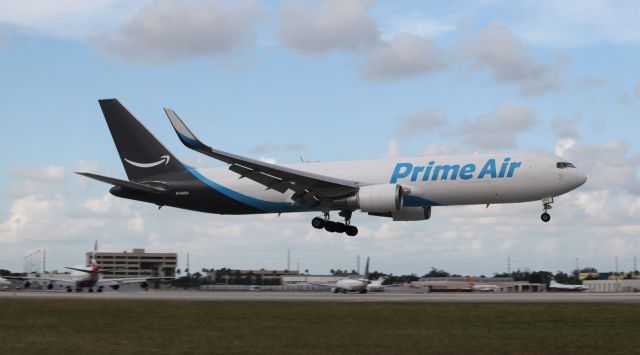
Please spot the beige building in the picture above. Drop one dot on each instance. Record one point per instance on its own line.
(462, 283)
(136, 263)
(612, 285)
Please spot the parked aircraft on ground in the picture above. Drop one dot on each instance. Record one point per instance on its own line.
(4, 284)
(90, 277)
(403, 189)
(376, 286)
(359, 284)
(554, 286)
(475, 287)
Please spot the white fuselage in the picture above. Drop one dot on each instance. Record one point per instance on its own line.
(432, 181)
(352, 285)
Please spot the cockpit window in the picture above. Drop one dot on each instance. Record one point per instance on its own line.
(564, 165)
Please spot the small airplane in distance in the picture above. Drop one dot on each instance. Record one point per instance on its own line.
(359, 284)
(376, 286)
(403, 189)
(481, 287)
(87, 277)
(4, 284)
(555, 286)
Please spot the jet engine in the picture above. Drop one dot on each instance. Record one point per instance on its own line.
(408, 214)
(115, 287)
(374, 199)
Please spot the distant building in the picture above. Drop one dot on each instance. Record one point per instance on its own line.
(462, 283)
(136, 263)
(612, 285)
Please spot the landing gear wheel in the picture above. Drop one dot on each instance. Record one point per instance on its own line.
(318, 223)
(545, 217)
(330, 226)
(352, 231)
(340, 227)
(363, 291)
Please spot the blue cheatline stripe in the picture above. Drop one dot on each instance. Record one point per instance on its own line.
(414, 201)
(266, 206)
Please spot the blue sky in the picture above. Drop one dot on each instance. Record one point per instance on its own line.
(331, 80)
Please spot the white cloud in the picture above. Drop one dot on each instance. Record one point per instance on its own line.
(327, 26)
(609, 165)
(508, 245)
(569, 23)
(548, 247)
(168, 31)
(415, 23)
(500, 128)
(66, 18)
(49, 173)
(567, 127)
(404, 56)
(496, 48)
(268, 160)
(274, 147)
(393, 149)
(426, 121)
(563, 145)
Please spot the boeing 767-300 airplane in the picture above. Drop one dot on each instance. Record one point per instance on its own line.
(404, 189)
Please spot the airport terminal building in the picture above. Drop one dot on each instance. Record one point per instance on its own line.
(136, 263)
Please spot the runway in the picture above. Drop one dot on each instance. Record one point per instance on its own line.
(539, 297)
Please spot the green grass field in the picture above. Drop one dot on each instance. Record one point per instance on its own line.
(173, 327)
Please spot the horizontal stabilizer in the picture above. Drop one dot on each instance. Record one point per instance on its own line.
(123, 183)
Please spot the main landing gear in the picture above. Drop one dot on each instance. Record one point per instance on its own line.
(546, 205)
(336, 227)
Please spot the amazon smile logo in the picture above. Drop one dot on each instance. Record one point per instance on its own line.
(163, 159)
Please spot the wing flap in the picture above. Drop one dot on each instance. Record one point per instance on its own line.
(269, 181)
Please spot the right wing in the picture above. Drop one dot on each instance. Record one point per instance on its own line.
(309, 188)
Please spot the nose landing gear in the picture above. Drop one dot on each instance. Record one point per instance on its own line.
(546, 204)
(336, 227)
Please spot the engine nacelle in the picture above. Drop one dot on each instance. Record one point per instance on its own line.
(115, 287)
(412, 214)
(384, 198)
(408, 214)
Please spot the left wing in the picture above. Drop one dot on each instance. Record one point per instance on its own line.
(48, 279)
(309, 188)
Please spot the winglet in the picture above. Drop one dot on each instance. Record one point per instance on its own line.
(184, 133)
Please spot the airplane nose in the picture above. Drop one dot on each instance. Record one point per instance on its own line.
(582, 178)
